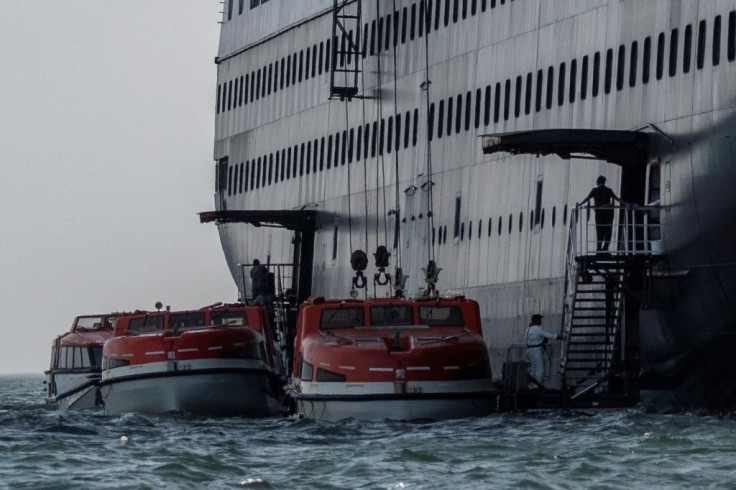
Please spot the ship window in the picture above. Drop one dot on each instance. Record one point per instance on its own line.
(344, 147)
(434, 234)
(415, 129)
(620, 67)
(379, 35)
(700, 56)
(521, 222)
(301, 66)
(554, 215)
(456, 228)
(238, 179)
(407, 129)
(270, 78)
(540, 82)
(237, 89)
(541, 224)
(146, 324)
(229, 318)
(538, 201)
(229, 181)
(647, 60)
(229, 9)
(441, 316)
(278, 168)
(686, 48)
(490, 227)
(341, 318)
(242, 90)
(440, 119)
(424, 10)
(584, 79)
(240, 6)
(328, 53)
(329, 151)
(511, 223)
(270, 169)
(483, 5)
(487, 107)
(90, 323)
(373, 38)
(561, 86)
(564, 216)
(321, 153)
(462, 231)
(367, 139)
(609, 71)
(229, 95)
(301, 159)
(449, 116)
(632, 63)
(258, 84)
(596, 74)
(497, 103)
(447, 12)
(288, 163)
(252, 175)
(95, 356)
(674, 36)
(358, 144)
(660, 55)
(480, 227)
(314, 59)
(500, 225)
(430, 122)
(437, 16)
(381, 136)
(468, 103)
(219, 97)
(517, 100)
(389, 134)
(550, 86)
(528, 94)
(334, 243)
(288, 71)
(573, 79)
(337, 149)
(391, 316)
(351, 140)
(459, 114)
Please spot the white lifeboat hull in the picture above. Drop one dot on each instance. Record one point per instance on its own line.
(434, 400)
(76, 391)
(240, 387)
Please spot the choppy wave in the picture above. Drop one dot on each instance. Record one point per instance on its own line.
(43, 448)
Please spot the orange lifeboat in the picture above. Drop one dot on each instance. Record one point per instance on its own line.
(391, 358)
(219, 360)
(76, 363)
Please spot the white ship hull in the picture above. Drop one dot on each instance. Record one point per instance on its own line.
(76, 391)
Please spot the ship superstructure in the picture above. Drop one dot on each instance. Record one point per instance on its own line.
(371, 133)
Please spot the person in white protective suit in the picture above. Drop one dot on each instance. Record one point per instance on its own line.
(536, 340)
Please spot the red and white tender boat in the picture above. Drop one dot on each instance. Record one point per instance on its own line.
(220, 360)
(76, 363)
(391, 358)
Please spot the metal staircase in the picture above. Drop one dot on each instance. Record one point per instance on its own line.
(346, 55)
(600, 359)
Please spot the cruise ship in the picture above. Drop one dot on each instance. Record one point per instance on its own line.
(461, 135)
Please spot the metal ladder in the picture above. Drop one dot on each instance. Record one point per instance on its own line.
(346, 49)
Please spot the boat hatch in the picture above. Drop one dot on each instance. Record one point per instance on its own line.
(619, 147)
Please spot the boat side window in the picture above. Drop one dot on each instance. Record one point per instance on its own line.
(687, 48)
(341, 318)
(731, 48)
(90, 323)
(228, 318)
(647, 60)
(146, 324)
(391, 316)
(674, 36)
(441, 315)
(717, 39)
(186, 320)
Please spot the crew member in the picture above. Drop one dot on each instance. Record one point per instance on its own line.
(258, 277)
(602, 198)
(536, 338)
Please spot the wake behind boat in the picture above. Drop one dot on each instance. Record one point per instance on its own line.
(219, 360)
(76, 363)
(391, 358)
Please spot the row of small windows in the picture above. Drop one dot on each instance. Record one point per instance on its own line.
(78, 357)
(296, 68)
(241, 5)
(367, 141)
(461, 112)
(439, 235)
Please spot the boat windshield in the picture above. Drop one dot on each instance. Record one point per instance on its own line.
(391, 316)
(441, 315)
(229, 318)
(186, 320)
(89, 323)
(341, 318)
(146, 324)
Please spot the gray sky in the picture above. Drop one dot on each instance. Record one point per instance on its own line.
(106, 136)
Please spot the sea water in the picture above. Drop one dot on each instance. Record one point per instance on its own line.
(44, 448)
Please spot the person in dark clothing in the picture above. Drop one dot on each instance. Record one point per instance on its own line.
(258, 275)
(603, 198)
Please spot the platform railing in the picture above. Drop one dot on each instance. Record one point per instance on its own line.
(634, 230)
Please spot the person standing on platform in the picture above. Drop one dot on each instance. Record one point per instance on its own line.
(603, 198)
(536, 340)
(258, 277)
